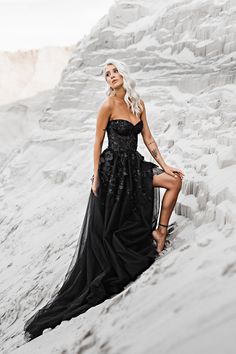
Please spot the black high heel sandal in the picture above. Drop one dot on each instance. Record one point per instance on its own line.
(154, 230)
(167, 241)
(164, 225)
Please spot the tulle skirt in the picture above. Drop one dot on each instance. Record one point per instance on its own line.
(115, 244)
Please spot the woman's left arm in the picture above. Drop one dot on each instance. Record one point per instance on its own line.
(150, 143)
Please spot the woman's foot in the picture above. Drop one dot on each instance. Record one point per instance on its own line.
(27, 336)
(159, 236)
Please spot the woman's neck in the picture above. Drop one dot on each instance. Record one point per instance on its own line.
(120, 93)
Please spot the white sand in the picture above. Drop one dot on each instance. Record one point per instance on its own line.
(182, 55)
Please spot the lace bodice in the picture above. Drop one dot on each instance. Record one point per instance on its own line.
(121, 156)
(123, 135)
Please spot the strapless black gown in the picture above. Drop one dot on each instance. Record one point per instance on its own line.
(115, 244)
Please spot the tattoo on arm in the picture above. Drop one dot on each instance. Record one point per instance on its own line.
(154, 153)
(154, 150)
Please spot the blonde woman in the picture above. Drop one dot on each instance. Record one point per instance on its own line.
(118, 238)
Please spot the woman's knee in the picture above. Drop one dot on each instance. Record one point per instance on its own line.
(177, 183)
(164, 180)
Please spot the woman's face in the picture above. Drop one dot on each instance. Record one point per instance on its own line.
(113, 78)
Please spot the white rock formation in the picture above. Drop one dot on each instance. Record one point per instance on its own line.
(26, 73)
(182, 55)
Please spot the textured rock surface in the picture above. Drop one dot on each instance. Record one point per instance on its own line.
(25, 73)
(182, 55)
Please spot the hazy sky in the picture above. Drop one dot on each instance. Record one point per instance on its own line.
(30, 24)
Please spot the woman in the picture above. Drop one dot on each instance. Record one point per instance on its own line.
(116, 242)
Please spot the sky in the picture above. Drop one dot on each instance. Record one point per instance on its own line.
(32, 24)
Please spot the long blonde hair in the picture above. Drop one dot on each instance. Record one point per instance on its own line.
(131, 97)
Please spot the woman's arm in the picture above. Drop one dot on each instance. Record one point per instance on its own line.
(150, 143)
(149, 140)
(102, 120)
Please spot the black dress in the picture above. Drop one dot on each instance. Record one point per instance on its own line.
(115, 244)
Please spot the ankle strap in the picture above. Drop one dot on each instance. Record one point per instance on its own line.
(163, 225)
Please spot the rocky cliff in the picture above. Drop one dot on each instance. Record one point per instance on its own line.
(182, 56)
(26, 73)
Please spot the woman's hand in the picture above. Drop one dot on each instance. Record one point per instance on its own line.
(173, 171)
(95, 184)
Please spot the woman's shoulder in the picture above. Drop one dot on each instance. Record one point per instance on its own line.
(141, 105)
(142, 102)
(108, 102)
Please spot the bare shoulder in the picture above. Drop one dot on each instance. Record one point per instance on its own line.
(142, 103)
(106, 107)
(107, 103)
(111, 101)
(143, 113)
(104, 113)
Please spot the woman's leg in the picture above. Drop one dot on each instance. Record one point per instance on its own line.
(173, 187)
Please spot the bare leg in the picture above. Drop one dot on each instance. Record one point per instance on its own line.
(173, 187)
